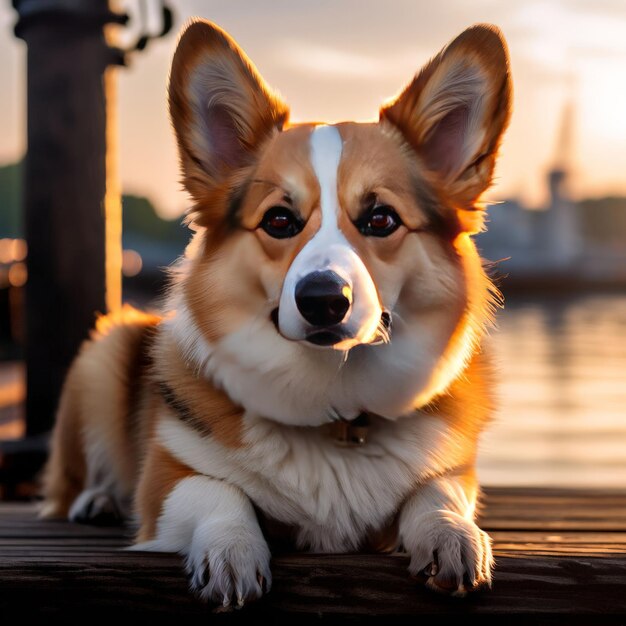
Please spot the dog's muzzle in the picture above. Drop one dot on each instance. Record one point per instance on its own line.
(329, 299)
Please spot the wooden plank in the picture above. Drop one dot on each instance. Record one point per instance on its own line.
(63, 570)
(318, 585)
(557, 525)
(582, 493)
(554, 509)
(529, 545)
(503, 546)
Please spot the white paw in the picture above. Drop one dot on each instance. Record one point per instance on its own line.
(95, 506)
(228, 565)
(450, 552)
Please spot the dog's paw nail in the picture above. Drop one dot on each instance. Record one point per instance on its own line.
(460, 592)
(205, 576)
(223, 608)
(97, 507)
(432, 569)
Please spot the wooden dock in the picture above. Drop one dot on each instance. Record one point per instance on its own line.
(561, 558)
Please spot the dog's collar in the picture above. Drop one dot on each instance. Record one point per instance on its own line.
(351, 433)
(181, 409)
(347, 433)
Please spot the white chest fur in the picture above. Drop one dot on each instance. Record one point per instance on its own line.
(299, 476)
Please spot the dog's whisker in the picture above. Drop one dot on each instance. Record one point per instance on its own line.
(383, 335)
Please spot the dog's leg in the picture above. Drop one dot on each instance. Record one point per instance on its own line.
(445, 545)
(82, 480)
(214, 525)
(107, 494)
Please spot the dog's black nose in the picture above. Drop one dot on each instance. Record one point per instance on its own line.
(323, 298)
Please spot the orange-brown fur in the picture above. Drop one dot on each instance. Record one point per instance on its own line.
(161, 471)
(211, 407)
(66, 468)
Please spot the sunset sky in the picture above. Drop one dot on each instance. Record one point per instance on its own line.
(339, 59)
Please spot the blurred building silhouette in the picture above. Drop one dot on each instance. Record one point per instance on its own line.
(566, 242)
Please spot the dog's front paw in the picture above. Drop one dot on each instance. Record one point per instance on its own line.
(450, 553)
(96, 506)
(228, 565)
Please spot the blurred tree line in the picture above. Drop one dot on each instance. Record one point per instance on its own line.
(139, 220)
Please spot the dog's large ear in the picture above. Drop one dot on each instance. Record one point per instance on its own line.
(454, 112)
(221, 108)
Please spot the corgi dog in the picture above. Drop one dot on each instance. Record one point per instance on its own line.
(316, 378)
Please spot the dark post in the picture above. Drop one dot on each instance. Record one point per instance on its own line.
(64, 188)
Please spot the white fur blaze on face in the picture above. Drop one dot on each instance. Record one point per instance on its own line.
(329, 250)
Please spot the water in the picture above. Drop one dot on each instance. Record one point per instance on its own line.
(562, 394)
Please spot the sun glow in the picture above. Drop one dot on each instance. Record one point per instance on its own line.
(603, 98)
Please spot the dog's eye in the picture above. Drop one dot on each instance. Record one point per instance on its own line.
(380, 221)
(280, 223)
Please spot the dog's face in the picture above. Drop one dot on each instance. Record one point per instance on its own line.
(328, 211)
(317, 241)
